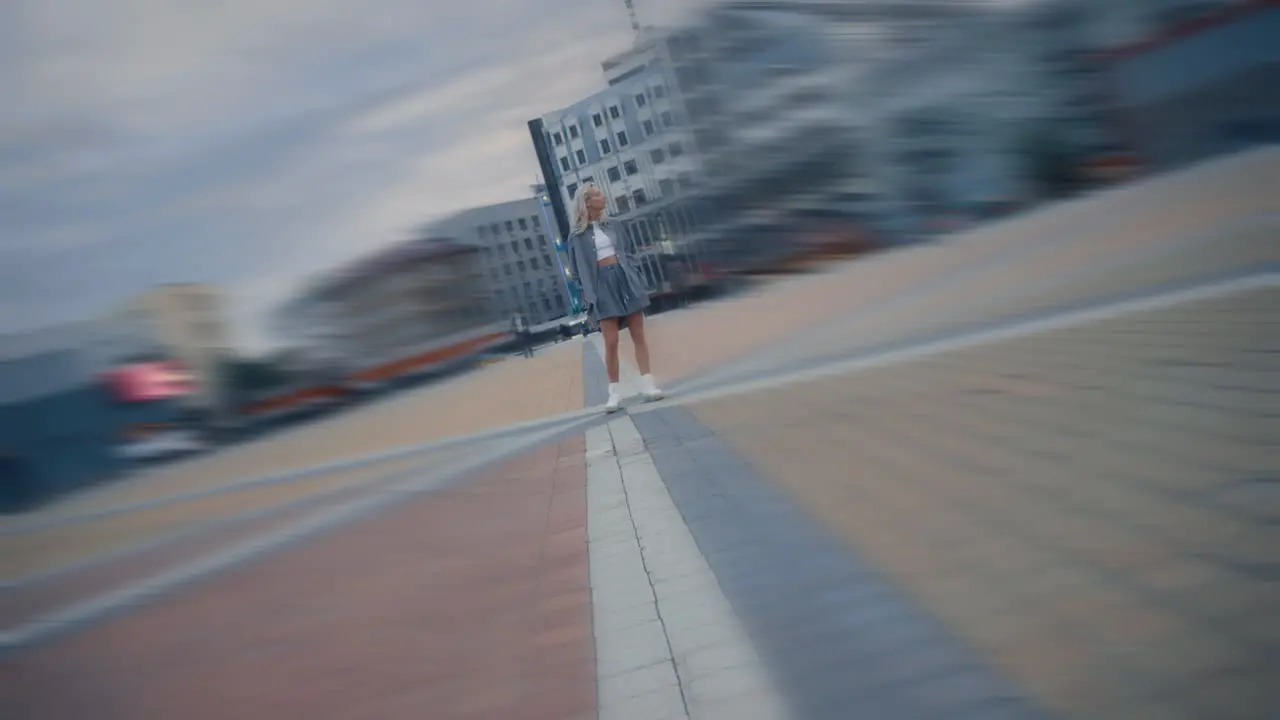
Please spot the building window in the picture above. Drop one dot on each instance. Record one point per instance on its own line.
(564, 164)
(614, 174)
(542, 241)
(537, 222)
(495, 229)
(582, 156)
(524, 224)
(597, 119)
(546, 304)
(572, 189)
(506, 269)
(641, 100)
(515, 247)
(559, 139)
(546, 259)
(622, 138)
(639, 197)
(631, 167)
(560, 302)
(648, 127)
(675, 149)
(667, 119)
(624, 205)
(604, 147)
(528, 243)
(520, 266)
(511, 227)
(614, 112)
(666, 188)
(480, 231)
(542, 284)
(573, 131)
(659, 91)
(528, 287)
(657, 156)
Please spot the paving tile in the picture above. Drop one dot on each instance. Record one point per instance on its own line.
(58, 545)
(448, 606)
(639, 682)
(1045, 499)
(664, 704)
(810, 610)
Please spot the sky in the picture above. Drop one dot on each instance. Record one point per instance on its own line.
(251, 143)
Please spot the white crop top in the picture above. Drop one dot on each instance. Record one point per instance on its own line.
(604, 244)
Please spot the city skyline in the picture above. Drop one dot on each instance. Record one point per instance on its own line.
(252, 146)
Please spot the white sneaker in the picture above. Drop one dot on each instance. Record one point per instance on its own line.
(615, 399)
(649, 388)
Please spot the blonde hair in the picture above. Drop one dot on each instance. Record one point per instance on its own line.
(581, 217)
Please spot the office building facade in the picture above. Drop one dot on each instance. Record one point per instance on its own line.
(521, 256)
(632, 139)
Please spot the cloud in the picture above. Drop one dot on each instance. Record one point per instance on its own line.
(253, 143)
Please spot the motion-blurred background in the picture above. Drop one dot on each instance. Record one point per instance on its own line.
(218, 220)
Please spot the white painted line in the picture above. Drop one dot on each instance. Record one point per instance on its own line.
(1061, 321)
(142, 591)
(760, 360)
(193, 531)
(668, 644)
(53, 518)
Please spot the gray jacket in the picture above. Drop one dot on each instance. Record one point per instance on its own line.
(582, 260)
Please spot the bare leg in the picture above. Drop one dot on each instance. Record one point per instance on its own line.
(635, 324)
(609, 330)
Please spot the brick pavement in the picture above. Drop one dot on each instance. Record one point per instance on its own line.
(1205, 222)
(39, 550)
(492, 396)
(472, 602)
(1092, 510)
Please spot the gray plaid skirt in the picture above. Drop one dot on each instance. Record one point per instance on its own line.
(615, 298)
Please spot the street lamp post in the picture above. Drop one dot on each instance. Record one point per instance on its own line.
(543, 203)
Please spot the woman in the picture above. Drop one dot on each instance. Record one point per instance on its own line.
(612, 288)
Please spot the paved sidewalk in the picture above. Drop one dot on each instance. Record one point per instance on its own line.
(46, 548)
(471, 602)
(1205, 223)
(668, 643)
(1077, 523)
(1092, 511)
(487, 398)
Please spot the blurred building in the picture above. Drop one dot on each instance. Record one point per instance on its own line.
(1198, 85)
(401, 301)
(520, 252)
(183, 322)
(57, 426)
(958, 104)
(777, 149)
